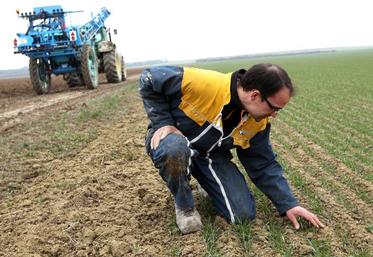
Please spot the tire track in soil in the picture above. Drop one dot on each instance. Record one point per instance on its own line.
(35, 106)
(338, 214)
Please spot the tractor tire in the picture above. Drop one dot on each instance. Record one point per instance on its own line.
(40, 79)
(113, 66)
(89, 67)
(74, 80)
(123, 70)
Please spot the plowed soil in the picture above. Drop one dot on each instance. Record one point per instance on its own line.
(104, 197)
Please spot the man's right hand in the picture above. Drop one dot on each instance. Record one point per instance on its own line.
(298, 211)
(162, 133)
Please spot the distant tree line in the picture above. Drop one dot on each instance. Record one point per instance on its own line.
(253, 56)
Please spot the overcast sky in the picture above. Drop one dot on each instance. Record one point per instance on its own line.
(180, 30)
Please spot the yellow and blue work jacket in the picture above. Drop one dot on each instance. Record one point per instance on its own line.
(204, 106)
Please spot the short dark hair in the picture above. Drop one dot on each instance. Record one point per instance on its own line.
(268, 78)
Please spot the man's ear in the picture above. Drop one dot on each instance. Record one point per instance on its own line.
(254, 94)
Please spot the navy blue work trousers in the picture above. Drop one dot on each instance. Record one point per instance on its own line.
(216, 173)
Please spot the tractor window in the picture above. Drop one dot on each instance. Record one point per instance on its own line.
(39, 25)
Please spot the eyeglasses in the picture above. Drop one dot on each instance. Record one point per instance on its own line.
(274, 108)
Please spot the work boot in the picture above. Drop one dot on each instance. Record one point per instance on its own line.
(188, 221)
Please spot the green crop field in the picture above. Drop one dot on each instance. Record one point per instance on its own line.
(324, 140)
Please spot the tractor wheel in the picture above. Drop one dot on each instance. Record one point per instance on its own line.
(123, 70)
(74, 79)
(40, 79)
(89, 67)
(112, 66)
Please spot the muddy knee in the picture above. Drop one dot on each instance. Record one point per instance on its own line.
(172, 155)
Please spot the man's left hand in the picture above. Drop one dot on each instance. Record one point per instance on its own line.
(297, 211)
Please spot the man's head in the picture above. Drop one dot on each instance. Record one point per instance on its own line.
(264, 90)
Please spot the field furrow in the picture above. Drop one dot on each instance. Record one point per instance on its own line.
(341, 123)
(359, 207)
(334, 145)
(337, 216)
(354, 141)
(323, 163)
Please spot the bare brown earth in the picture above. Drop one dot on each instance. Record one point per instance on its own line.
(91, 202)
(103, 197)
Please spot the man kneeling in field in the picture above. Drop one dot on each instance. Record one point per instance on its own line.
(196, 117)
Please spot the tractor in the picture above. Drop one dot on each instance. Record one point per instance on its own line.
(79, 53)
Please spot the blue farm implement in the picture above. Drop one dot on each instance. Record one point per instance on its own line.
(79, 53)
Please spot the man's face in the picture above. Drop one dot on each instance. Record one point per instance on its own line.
(260, 107)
